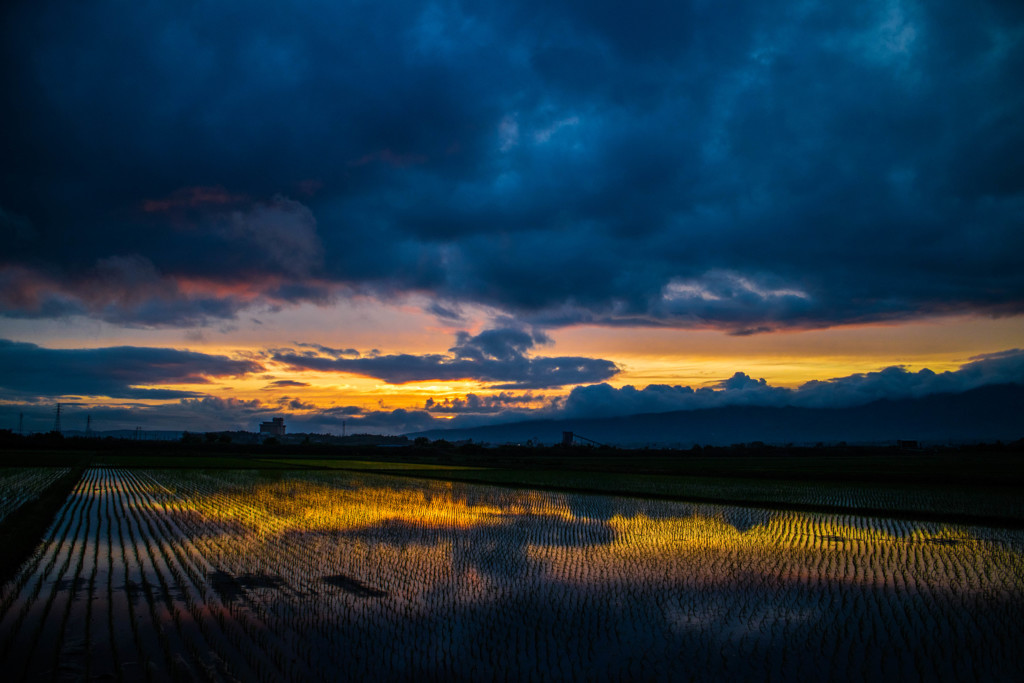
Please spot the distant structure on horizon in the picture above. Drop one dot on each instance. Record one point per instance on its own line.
(568, 439)
(273, 428)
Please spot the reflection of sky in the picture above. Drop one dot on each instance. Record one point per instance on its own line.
(391, 510)
(419, 576)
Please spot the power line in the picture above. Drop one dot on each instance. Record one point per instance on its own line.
(56, 422)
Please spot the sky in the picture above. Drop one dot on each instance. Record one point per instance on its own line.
(400, 216)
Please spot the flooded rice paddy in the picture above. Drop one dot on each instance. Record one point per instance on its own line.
(243, 575)
(18, 485)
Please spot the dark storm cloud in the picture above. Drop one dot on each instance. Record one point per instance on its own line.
(265, 254)
(498, 355)
(27, 370)
(745, 166)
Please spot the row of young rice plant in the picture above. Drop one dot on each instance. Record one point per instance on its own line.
(19, 485)
(116, 591)
(621, 576)
(301, 576)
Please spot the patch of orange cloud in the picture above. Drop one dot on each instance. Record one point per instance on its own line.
(239, 289)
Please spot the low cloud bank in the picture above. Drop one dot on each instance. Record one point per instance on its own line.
(894, 382)
(29, 374)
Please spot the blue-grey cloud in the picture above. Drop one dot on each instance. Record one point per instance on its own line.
(731, 165)
(498, 356)
(505, 344)
(397, 421)
(603, 400)
(28, 370)
(327, 350)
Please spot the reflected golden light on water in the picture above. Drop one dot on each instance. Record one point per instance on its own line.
(384, 577)
(789, 548)
(595, 540)
(288, 507)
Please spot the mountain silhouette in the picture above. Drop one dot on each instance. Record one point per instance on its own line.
(990, 413)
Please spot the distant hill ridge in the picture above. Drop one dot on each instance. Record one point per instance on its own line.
(990, 413)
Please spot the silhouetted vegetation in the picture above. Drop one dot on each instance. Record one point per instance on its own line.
(995, 464)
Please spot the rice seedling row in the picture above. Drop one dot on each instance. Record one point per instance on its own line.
(20, 485)
(308, 576)
(821, 538)
(120, 608)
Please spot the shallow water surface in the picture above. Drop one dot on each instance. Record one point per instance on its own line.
(305, 575)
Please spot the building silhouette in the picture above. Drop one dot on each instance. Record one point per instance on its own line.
(273, 428)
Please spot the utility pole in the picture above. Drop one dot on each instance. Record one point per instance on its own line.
(138, 432)
(56, 422)
(88, 426)
(21, 424)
